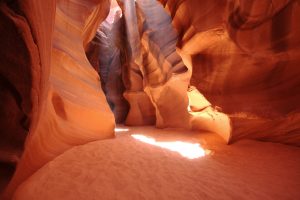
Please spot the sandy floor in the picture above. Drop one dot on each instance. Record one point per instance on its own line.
(146, 163)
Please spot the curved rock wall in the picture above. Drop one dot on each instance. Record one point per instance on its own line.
(245, 59)
(16, 83)
(25, 67)
(68, 105)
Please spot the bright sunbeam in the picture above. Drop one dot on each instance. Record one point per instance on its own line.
(121, 130)
(186, 149)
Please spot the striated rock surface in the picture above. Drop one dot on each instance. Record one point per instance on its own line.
(245, 57)
(68, 105)
(141, 110)
(155, 70)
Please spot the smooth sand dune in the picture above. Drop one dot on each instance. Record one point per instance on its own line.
(139, 164)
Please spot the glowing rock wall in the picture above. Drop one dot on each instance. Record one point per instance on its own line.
(68, 107)
(245, 59)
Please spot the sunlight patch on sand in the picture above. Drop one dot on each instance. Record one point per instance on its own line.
(185, 149)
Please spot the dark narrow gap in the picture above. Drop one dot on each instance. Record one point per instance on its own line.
(15, 89)
(6, 170)
(106, 54)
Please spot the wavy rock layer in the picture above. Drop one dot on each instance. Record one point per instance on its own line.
(245, 59)
(155, 70)
(73, 108)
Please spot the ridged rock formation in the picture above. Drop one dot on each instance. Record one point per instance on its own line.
(69, 107)
(155, 69)
(245, 59)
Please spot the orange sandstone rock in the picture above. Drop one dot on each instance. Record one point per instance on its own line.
(74, 109)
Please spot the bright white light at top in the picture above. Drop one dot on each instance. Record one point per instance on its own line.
(186, 149)
(114, 11)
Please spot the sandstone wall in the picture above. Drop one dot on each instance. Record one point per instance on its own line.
(245, 59)
(50, 80)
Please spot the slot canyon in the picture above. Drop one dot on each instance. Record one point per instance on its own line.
(149, 99)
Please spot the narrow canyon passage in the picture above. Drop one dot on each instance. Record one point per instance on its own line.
(106, 53)
(102, 81)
